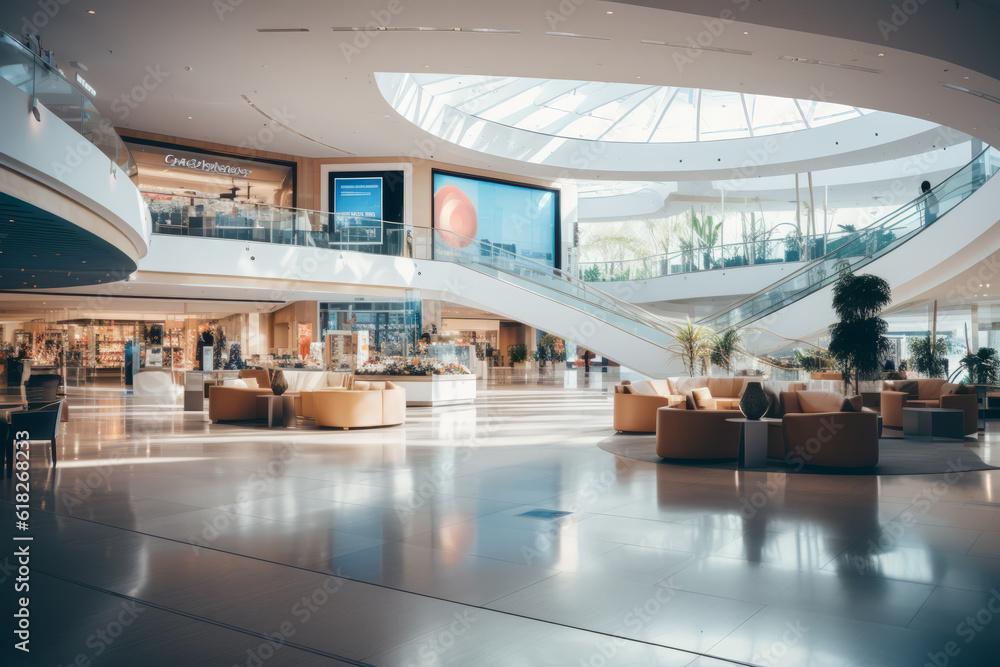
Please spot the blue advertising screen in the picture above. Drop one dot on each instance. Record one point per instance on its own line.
(473, 216)
(358, 197)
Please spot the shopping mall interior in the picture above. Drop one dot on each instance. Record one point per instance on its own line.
(666, 333)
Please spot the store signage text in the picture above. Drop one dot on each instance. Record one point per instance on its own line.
(205, 165)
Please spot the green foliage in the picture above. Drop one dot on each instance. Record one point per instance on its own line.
(929, 359)
(725, 348)
(858, 342)
(813, 361)
(982, 367)
(517, 353)
(592, 274)
(692, 344)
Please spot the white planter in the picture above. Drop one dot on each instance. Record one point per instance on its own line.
(431, 390)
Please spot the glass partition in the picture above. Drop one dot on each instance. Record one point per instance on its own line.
(29, 72)
(863, 247)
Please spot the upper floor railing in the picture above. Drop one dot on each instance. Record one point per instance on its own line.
(760, 250)
(869, 244)
(708, 258)
(41, 79)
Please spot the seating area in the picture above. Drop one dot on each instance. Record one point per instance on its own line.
(329, 399)
(815, 428)
(898, 395)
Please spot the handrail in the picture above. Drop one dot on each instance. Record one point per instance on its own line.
(489, 250)
(27, 70)
(871, 243)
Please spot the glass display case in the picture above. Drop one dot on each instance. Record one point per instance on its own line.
(450, 354)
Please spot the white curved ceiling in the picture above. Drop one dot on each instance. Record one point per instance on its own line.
(181, 69)
(625, 112)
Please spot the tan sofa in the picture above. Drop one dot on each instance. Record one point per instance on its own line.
(258, 374)
(818, 432)
(367, 404)
(234, 403)
(635, 405)
(706, 435)
(927, 393)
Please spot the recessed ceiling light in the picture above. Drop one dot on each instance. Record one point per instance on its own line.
(745, 32)
(190, 117)
(880, 55)
(610, 13)
(965, 77)
(91, 11)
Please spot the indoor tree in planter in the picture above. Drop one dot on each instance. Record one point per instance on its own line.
(929, 359)
(858, 343)
(517, 353)
(983, 367)
(692, 344)
(725, 348)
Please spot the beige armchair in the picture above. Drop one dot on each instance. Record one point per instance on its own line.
(817, 431)
(371, 404)
(928, 393)
(234, 403)
(635, 405)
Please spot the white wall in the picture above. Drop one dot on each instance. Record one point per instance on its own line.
(54, 154)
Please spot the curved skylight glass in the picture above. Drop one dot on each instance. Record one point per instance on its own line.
(626, 112)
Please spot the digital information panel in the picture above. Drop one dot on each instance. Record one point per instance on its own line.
(475, 217)
(357, 203)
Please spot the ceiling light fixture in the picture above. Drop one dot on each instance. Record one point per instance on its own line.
(91, 11)
(694, 47)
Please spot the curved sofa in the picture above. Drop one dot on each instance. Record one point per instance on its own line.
(696, 434)
(359, 408)
(635, 405)
(928, 393)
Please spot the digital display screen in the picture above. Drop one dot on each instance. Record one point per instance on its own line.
(475, 217)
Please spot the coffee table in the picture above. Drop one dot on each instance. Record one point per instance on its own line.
(933, 423)
(280, 409)
(753, 453)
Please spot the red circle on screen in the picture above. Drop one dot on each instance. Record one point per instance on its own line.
(455, 217)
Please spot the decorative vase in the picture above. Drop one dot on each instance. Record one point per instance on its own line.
(755, 402)
(279, 385)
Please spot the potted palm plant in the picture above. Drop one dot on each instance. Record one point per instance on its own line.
(981, 367)
(858, 342)
(725, 348)
(692, 344)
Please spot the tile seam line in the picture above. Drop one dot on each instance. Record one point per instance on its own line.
(382, 586)
(203, 619)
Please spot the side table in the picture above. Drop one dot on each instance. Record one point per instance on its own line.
(753, 453)
(280, 410)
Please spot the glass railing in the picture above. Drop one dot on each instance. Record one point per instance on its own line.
(864, 247)
(710, 258)
(207, 217)
(32, 74)
(551, 283)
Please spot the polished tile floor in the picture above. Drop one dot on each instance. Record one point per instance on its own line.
(163, 539)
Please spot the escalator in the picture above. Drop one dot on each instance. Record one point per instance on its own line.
(901, 247)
